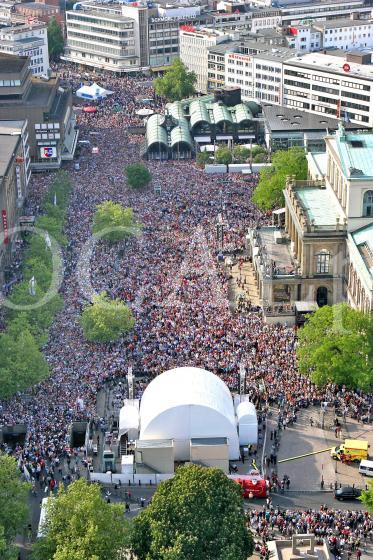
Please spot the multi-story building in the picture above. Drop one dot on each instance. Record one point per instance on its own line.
(14, 178)
(100, 37)
(41, 11)
(194, 45)
(340, 86)
(298, 12)
(258, 70)
(27, 40)
(45, 105)
(345, 34)
(324, 252)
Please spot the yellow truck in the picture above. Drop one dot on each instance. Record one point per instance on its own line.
(351, 450)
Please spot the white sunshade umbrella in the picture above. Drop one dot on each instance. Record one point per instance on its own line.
(144, 112)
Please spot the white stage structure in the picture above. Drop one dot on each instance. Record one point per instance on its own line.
(94, 92)
(186, 403)
(247, 423)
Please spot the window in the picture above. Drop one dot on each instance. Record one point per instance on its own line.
(368, 204)
(322, 262)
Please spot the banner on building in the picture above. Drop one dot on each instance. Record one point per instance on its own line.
(4, 218)
(47, 152)
(18, 182)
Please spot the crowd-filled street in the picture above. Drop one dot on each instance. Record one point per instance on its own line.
(178, 292)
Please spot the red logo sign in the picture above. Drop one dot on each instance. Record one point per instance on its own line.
(5, 226)
(346, 67)
(189, 28)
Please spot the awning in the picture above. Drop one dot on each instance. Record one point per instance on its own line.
(279, 211)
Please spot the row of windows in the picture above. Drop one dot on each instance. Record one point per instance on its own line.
(331, 91)
(100, 48)
(10, 83)
(296, 73)
(297, 84)
(295, 103)
(354, 95)
(47, 126)
(325, 79)
(118, 41)
(355, 106)
(91, 29)
(296, 93)
(356, 85)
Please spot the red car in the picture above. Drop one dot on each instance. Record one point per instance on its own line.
(253, 485)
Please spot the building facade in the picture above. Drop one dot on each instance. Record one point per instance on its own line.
(102, 38)
(47, 107)
(27, 40)
(194, 45)
(14, 178)
(324, 252)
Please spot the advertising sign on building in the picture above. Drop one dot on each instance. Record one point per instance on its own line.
(4, 218)
(47, 152)
(18, 182)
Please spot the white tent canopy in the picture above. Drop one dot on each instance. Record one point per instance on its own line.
(129, 421)
(186, 403)
(94, 92)
(247, 423)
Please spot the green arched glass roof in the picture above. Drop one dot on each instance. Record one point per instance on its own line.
(221, 113)
(243, 113)
(198, 113)
(176, 110)
(180, 133)
(155, 134)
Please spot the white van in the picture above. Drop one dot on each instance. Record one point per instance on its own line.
(366, 468)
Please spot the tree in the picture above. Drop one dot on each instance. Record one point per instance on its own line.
(138, 176)
(367, 497)
(240, 154)
(55, 39)
(223, 155)
(202, 158)
(105, 319)
(272, 182)
(176, 83)
(112, 222)
(196, 514)
(334, 347)
(80, 525)
(13, 504)
(261, 157)
(21, 362)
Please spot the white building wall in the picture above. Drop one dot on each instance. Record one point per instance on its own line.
(36, 48)
(329, 90)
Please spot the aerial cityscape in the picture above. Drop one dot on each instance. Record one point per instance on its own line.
(186, 280)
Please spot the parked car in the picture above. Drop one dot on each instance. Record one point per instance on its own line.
(347, 493)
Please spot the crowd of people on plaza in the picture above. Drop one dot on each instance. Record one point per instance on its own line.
(347, 532)
(173, 281)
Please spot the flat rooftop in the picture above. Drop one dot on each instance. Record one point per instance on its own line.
(11, 128)
(331, 63)
(8, 144)
(10, 64)
(280, 118)
(320, 205)
(343, 22)
(278, 252)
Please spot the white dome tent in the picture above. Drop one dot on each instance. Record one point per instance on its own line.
(94, 92)
(186, 403)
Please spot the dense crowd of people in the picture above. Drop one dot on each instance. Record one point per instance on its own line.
(171, 278)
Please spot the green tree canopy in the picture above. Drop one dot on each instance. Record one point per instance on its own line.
(198, 514)
(272, 182)
(202, 158)
(176, 83)
(223, 155)
(13, 504)
(138, 175)
(367, 497)
(240, 154)
(55, 39)
(80, 525)
(105, 319)
(117, 220)
(334, 347)
(21, 362)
